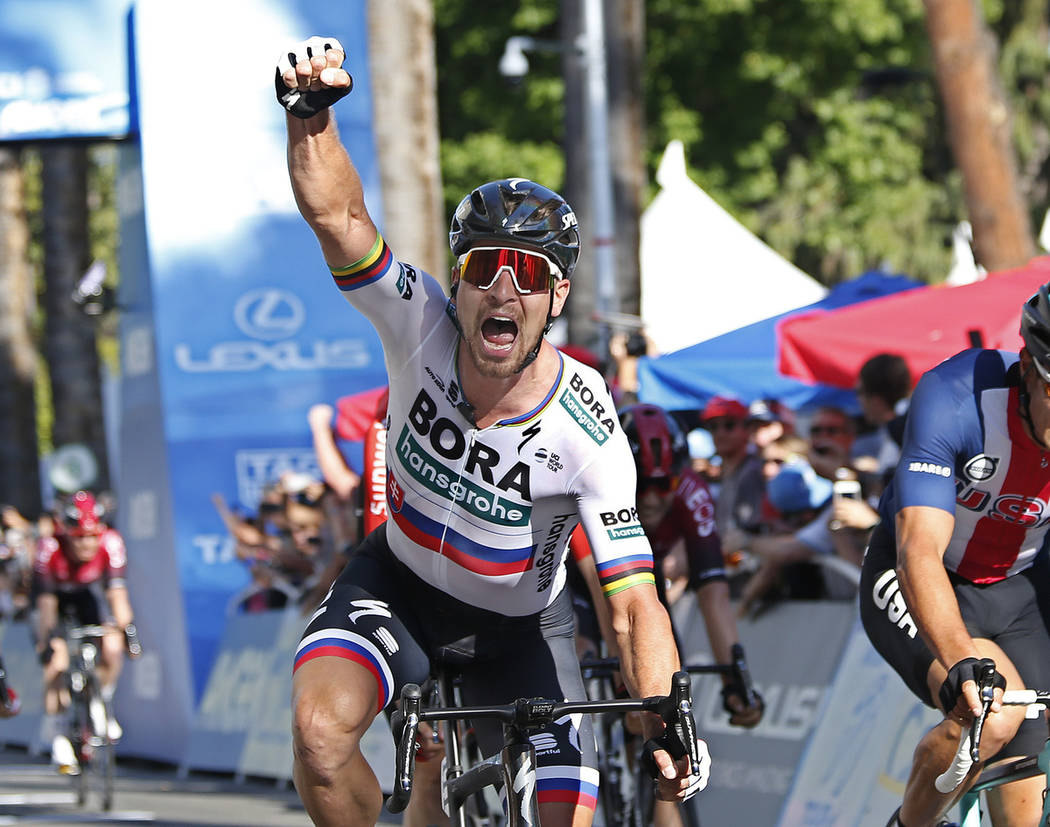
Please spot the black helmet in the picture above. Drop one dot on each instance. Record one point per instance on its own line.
(1035, 330)
(657, 442)
(519, 211)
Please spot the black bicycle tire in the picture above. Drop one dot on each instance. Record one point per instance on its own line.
(81, 725)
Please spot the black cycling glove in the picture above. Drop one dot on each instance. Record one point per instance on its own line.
(305, 103)
(968, 669)
(738, 690)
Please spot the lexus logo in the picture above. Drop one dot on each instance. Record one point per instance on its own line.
(268, 313)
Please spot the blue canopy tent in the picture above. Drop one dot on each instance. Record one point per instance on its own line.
(743, 363)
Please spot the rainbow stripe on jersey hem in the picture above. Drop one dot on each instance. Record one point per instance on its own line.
(369, 268)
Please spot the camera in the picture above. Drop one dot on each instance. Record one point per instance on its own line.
(636, 344)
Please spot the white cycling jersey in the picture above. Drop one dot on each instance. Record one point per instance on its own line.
(485, 514)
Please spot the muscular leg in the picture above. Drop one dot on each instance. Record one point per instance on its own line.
(334, 701)
(112, 660)
(565, 815)
(1020, 803)
(56, 696)
(666, 814)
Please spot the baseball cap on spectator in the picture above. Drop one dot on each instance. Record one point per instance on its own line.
(798, 488)
(721, 406)
(771, 410)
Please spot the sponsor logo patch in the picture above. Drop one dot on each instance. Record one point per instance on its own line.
(981, 467)
(930, 468)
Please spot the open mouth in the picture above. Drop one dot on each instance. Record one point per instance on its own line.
(499, 332)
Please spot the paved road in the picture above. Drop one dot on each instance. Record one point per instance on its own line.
(32, 793)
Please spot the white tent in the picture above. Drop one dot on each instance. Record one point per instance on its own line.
(704, 273)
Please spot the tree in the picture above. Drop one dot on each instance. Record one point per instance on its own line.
(69, 336)
(19, 474)
(401, 54)
(980, 129)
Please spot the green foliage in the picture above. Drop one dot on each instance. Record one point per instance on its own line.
(489, 129)
(816, 122)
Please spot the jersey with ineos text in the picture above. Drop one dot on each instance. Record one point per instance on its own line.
(485, 514)
(966, 451)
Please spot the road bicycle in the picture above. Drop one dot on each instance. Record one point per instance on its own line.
(1015, 769)
(89, 716)
(625, 793)
(514, 769)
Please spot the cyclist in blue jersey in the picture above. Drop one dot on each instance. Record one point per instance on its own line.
(498, 446)
(951, 579)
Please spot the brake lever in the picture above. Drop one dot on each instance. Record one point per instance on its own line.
(987, 689)
(405, 757)
(681, 689)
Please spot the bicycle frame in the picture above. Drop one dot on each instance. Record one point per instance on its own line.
(515, 767)
(624, 800)
(94, 749)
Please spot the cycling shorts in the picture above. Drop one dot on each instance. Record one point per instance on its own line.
(82, 607)
(1009, 612)
(383, 616)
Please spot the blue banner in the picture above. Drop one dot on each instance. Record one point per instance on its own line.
(245, 327)
(63, 72)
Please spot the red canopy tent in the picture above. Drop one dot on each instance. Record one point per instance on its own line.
(925, 326)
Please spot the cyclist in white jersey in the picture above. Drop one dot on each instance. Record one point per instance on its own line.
(498, 445)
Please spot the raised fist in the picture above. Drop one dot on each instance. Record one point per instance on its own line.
(310, 77)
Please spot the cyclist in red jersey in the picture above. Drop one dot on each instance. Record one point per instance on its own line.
(676, 510)
(80, 581)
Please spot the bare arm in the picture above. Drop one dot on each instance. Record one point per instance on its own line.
(327, 188)
(120, 605)
(713, 599)
(46, 618)
(922, 538)
(642, 629)
(339, 476)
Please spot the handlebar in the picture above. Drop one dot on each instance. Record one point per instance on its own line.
(91, 630)
(527, 714)
(968, 751)
(737, 670)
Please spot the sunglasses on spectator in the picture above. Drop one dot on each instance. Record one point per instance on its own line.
(826, 430)
(531, 272)
(663, 485)
(723, 424)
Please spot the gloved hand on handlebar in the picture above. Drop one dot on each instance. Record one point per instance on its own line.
(953, 697)
(675, 781)
(309, 76)
(734, 701)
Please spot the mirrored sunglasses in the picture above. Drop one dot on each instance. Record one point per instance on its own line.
(531, 272)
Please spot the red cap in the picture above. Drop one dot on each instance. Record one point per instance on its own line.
(721, 406)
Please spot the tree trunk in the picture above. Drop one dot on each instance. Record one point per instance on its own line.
(404, 95)
(69, 341)
(625, 27)
(980, 132)
(19, 463)
(583, 296)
